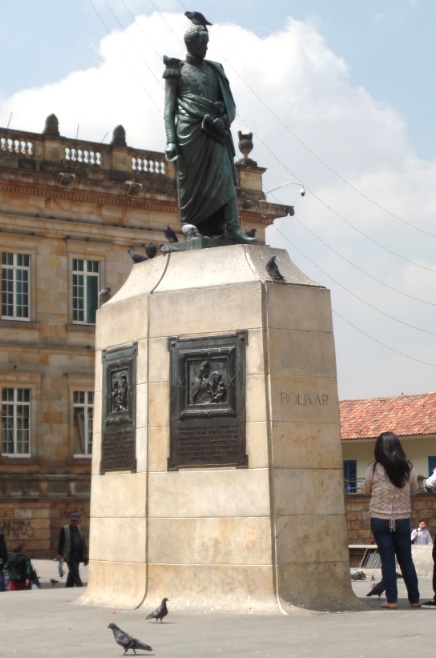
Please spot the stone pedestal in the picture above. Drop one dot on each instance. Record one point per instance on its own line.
(268, 537)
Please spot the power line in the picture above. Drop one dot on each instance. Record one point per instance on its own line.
(125, 57)
(359, 269)
(389, 347)
(328, 207)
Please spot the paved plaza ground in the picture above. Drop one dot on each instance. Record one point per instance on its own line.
(46, 623)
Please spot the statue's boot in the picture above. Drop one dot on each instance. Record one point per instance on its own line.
(233, 230)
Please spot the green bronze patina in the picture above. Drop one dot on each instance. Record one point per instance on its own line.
(199, 109)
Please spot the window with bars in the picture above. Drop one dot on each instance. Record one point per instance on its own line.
(83, 414)
(86, 274)
(15, 286)
(16, 421)
(350, 475)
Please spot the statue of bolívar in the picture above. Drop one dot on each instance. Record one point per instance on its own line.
(199, 109)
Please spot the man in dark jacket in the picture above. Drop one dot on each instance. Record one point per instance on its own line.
(3, 559)
(72, 549)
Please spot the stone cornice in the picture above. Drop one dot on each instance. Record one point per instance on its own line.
(88, 196)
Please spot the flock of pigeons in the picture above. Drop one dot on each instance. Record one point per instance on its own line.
(189, 231)
(127, 641)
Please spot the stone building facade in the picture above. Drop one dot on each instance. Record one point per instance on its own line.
(69, 210)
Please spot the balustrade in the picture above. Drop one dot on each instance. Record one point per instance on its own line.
(16, 146)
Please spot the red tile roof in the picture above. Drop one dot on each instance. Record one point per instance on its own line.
(408, 415)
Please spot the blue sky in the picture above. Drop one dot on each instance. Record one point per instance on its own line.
(339, 94)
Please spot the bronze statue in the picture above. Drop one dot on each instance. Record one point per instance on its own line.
(199, 109)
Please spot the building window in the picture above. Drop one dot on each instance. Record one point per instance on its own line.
(431, 465)
(85, 290)
(350, 473)
(15, 286)
(83, 405)
(16, 421)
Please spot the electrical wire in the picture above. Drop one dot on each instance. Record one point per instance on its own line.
(376, 340)
(319, 200)
(360, 299)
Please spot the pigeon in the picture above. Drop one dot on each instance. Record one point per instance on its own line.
(273, 270)
(170, 234)
(378, 589)
(150, 250)
(137, 258)
(104, 296)
(190, 231)
(127, 641)
(251, 233)
(160, 612)
(197, 18)
(53, 581)
(357, 575)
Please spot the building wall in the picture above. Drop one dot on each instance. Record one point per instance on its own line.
(358, 521)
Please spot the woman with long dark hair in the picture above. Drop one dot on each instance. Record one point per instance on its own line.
(391, 480)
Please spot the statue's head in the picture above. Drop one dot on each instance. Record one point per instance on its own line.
(196, 40)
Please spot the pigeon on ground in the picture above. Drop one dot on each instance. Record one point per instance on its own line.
(251, 233)
(53, 581)
(378, 589)
(357, 575)
(170, 234)
(127, 641)
(150, 250)
(160, 612)
(190, 231)
(273, 270)
(104, 296)
(136, 257)
(197, 18)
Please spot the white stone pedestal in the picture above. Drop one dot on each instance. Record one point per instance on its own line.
(268, 538)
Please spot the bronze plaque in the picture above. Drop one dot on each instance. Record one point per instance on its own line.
(118, 450)
(208, 401)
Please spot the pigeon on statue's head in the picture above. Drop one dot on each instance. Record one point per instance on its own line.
(197, 18)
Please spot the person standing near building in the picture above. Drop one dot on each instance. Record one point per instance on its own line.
(391, 480)
(3, 560)
(72, 549)
(421, 535)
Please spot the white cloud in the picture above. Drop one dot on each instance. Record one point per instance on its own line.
(294, 94)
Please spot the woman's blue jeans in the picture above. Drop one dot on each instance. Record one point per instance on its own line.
(396, 544)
